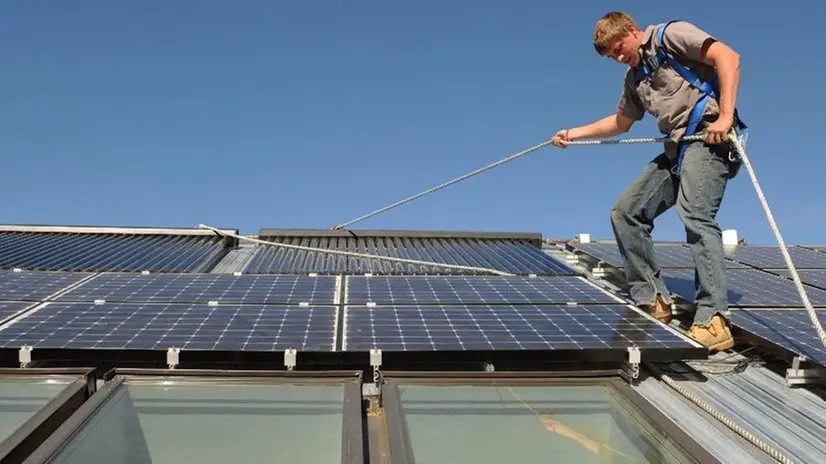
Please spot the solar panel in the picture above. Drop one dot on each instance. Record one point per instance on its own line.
(791, 329)
(473, 290)
(512, 255)
(8, 310)
(666, 255)
(816, 278)
(747, 287)
(161, 326)
(505, 327)
(203, 288)
(35, 285)
(768, 257)
(73, 251)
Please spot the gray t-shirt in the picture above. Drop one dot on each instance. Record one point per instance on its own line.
(665, 94)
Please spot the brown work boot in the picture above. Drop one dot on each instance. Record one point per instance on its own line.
(716, 336)
(659, 310)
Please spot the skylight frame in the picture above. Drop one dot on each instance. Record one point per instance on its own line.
(81, 385)
(400, 447)
(116, 379)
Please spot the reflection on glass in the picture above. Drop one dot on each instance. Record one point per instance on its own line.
(493, 425)
(177, 423)
(21, 399)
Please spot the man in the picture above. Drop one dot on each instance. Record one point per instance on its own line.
(690, 175)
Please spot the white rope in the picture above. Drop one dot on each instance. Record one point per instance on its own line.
(357, 255)
(503, 161)
(688, 138)
(800, 289)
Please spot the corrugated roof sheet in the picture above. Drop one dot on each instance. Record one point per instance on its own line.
(727, 446)
(517, 254)
(235, 260)
(115, 251)
(789, 419)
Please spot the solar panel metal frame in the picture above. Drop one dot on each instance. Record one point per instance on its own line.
(120, 287)
(797, 340)
(481, 285)
(681, 282)
(676, 346)
(59, 326)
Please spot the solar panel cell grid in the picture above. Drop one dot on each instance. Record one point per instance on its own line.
(816, 278)
(507, 327)
(473, 290)
(768, 257)
(791, 329)
(513, 256)
(203, 288)
(666, 255)
(747, 287)
(115, 252)
(10, 309)
(159, 326)
(35, 285)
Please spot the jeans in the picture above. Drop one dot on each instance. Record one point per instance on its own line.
(698, 192)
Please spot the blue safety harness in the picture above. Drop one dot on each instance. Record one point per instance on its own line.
(709, 90)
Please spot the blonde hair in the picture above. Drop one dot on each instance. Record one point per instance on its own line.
(609, 28)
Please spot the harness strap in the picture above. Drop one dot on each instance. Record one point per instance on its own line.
(709, 90)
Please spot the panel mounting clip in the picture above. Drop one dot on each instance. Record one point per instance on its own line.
(145, 272)
(800, 375)
(632, 366)
(375, 361)
(173, 357)
(599, 272)
(25, 356)
(290, 358)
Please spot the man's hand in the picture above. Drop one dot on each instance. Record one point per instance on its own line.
(560, 139)
(718, 131)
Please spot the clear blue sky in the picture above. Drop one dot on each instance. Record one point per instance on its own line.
(254, 114)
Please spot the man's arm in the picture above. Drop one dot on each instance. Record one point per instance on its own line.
(608, 126)
(727, 63)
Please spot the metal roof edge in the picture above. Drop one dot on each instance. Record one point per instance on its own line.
(109, 230)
